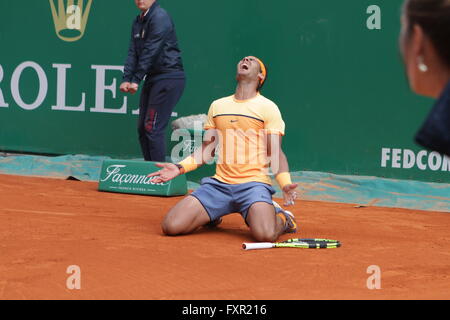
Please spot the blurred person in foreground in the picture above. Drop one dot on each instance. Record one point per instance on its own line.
(425, 46)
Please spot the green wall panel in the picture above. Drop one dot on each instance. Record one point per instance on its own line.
(340, 86)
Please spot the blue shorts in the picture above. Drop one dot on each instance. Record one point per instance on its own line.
(220, 199)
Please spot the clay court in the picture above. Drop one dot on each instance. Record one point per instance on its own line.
(47, 225)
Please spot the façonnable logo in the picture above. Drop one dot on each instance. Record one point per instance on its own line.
(70, 20)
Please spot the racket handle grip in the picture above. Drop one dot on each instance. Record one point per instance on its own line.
(255, 246)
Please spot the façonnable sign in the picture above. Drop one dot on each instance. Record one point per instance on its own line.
(131, 177)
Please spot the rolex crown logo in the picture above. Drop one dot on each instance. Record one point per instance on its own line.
(70, 22)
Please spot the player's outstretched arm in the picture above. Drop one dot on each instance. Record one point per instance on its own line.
(168, 172)
(200, 157)
(280, 168)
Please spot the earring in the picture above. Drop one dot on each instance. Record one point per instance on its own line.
(421, 65)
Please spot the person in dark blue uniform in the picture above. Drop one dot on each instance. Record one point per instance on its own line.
(154, 55)
(425, 44)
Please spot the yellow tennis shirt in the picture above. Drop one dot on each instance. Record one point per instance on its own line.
(242, 127)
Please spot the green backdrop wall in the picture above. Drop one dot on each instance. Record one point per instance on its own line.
(339, 84)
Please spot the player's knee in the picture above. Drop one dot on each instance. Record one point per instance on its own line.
(265, 235)
(171, 228)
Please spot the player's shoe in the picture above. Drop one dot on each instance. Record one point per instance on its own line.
(288, 218)
(213, 224)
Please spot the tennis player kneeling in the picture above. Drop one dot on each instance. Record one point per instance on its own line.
(247, 130)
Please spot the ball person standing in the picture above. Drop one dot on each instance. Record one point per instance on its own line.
(154, 55)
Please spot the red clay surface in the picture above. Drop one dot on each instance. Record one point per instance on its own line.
(47, 225)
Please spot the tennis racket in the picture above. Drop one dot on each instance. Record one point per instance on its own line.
(295, 243)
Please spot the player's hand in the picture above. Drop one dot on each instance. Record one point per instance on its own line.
(168, 172)
(125, 87)
(290, 194)
(134, 87)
